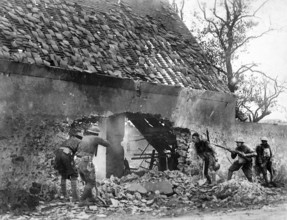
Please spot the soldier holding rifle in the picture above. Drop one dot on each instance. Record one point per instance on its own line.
(244, 161)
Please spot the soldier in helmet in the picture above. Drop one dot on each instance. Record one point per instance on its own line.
(65, 165)
(206, 153)
(87, 149)
(244, 160)
(264, 159)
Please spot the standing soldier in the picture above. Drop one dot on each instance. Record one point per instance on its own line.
(86, 151)
(264, 159)
(244, 161)
(64, 163)
(206, 153)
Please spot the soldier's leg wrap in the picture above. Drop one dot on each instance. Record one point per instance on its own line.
(90, 192)
(247, 170)
(87, 173)
(63, 186)
(206, 167)
(86, 193)
(270, 169)
(234, 167)
(74, 188)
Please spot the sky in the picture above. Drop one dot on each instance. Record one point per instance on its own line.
(269, 51)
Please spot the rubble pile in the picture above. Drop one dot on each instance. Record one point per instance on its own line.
(174, 189)
(157, 193)
(242, 191)
(233, 193)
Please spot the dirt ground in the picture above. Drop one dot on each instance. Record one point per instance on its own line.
(267, 212)
(234, 199)
(276, 211)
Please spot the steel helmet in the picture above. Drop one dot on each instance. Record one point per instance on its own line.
(264, 139)
(239, 140)
(94, 129)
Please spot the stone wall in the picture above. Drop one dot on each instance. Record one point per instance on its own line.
(277, 138)
(38, 103)
(251, 132)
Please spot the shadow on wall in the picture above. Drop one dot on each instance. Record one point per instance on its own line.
(27, 154)
(27, 151)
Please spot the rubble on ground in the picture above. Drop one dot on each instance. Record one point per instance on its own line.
(161, 193)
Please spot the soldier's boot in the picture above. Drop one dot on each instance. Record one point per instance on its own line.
(75, 196)
(229, 175)
(90, 195)
(63, 188)
(249, 178)
(208, 179)
(265, 180)
(271, 175)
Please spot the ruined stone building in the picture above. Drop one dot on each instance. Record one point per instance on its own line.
(64, 62)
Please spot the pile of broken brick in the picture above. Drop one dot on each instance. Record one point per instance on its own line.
(162, 194)
(174, 188)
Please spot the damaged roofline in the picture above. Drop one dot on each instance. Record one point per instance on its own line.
(12, 67)
(141, 87)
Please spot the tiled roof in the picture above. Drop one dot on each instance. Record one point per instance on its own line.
(108, 39)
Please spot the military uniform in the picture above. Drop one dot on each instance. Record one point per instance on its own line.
(207, 154)
(65, 164)
(85, 153)
(242, 163)
(263, 160)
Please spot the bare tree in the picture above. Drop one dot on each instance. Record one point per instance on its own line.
(258, 95)
(228, 22)
(178, 7)
(224, 35)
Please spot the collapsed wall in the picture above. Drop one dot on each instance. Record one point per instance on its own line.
(39, 103)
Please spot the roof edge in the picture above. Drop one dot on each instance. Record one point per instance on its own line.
(79, 77)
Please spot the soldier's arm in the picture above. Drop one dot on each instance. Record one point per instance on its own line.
(211, 148)
(271, 154)
(258, 154)
(234, 153)
(101, 141)
(250, 153)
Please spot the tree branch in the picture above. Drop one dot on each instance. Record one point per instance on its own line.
(181, 9)
(244, 68)
(212, 23)
(255, 12)
(215, 14)
(250, 38)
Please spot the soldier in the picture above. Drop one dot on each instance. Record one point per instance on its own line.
(244, 161)
(64, 163)
(86, 151)
(206, 153)
(264, 159)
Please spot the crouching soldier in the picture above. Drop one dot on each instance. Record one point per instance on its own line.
(206, 153)
(86, 151)
(244, 160)
(65, 164)
(264, 159)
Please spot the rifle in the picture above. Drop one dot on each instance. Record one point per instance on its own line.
(233, 151)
